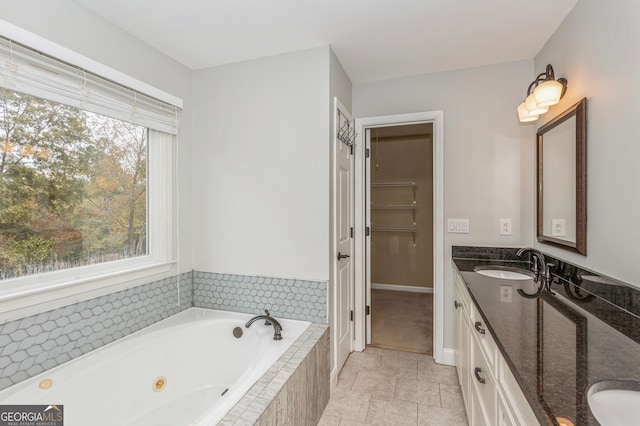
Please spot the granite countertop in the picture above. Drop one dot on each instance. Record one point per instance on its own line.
(559, 344)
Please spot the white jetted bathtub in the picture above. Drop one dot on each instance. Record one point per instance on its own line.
(186, 370)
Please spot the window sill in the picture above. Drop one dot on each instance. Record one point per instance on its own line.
(32, 295)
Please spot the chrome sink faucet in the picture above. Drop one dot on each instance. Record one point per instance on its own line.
(268, 320)
(540, 267)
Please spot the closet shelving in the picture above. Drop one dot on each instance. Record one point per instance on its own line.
(410, 206)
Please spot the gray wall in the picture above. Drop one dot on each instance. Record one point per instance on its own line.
(261, 166)
(596, 49)
(489, 156)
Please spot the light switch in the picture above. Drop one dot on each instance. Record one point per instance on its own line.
(458, 226)
(505, 226)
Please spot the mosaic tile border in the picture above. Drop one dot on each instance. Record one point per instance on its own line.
(285, 298)
(40, 342)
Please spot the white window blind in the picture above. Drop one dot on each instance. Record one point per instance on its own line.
(28, 71)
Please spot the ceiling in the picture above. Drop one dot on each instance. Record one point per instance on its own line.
(373, 39)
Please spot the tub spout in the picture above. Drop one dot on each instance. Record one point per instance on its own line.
(277, 328)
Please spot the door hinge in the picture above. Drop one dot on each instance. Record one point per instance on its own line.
(351, 148)
(367, 310)
(367, 231)
(351, 232)
(367, 153)
(351, 315)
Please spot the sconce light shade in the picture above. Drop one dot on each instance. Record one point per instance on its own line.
(543, 92)
(524, 115)
(533, 107)
(548, 93)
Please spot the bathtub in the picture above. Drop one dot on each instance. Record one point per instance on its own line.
(188, 369)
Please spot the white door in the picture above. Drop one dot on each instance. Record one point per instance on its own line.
(343, 256)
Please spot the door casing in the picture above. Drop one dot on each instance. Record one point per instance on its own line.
(362, 321)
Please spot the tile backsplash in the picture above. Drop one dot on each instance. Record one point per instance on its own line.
(31, 345)
(286, 298)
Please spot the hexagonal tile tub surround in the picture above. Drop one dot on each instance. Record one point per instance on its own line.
(286, 298)
(31, 345)
(34, 344)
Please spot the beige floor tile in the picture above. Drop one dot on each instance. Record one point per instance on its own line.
(438, 373)
(348, 405)
(422, 392)
(375, 382)
(386, 387)
(347, 422)
(380, 351)
(416, 356)
(451, 397)
(391, 412)
(327, 420)
(435, 416)
(359, 360)
(399, 367)
(346, 377)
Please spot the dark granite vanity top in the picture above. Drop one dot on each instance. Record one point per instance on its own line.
(557, 345)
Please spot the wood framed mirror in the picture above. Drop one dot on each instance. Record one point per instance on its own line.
(562, 180)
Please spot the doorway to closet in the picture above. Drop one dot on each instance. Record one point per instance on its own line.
(401, 194)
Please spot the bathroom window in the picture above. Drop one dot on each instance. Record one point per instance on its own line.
(87, 177)
(73, 187)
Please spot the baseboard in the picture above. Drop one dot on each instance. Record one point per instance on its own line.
(333, 381)
(448, 357)
(394, 287)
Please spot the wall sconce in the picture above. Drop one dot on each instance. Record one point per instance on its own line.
(547, 91)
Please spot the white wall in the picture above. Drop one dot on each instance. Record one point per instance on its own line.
(596, 49)
(488, 155)
(69, 24)
(261, 166)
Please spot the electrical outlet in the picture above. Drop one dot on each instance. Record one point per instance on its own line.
(506, 293)
(558, 228)
(505, 226)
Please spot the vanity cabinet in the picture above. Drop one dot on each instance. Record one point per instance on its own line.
(489, 389)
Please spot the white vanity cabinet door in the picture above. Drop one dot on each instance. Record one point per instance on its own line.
(504, 416)
(461, 341)
(514, 399)
(475, 415)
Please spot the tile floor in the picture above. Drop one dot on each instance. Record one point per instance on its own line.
(387, 387)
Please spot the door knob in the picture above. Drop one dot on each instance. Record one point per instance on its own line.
(342, 256)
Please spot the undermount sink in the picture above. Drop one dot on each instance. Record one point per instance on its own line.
(503, 273)
(615, 402)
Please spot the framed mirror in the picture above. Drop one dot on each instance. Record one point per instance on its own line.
(562, 180)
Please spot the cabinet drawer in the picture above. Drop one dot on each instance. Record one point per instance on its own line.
(480, 331)
(483, 380)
